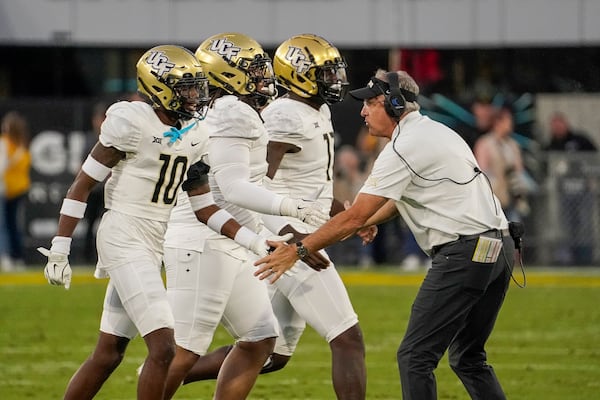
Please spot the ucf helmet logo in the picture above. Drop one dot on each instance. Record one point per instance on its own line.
(224, 48)
(159, 62)
(298, 59)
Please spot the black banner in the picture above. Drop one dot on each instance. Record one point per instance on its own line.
(58, 146)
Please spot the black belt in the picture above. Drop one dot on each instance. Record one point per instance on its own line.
(498, 233)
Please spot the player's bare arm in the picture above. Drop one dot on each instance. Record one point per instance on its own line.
(81, 187)
(229, 228)
(95, 169)
(275, 153)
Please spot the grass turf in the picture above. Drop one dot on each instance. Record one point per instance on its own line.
(546, 344)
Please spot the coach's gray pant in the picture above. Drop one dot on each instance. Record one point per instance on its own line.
(455, 309)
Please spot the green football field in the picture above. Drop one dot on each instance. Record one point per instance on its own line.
(546, 344)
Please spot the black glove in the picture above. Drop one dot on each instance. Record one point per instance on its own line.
(197, 176)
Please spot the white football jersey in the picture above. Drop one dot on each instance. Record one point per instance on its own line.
(307, 174)
(237, 122)
(146, 182)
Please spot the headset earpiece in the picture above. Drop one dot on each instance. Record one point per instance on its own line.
(394, 101)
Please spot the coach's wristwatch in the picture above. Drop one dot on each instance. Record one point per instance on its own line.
(301, 251)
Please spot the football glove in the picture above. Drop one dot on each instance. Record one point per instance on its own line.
(260, 247)
(57, 270)
(310, 212)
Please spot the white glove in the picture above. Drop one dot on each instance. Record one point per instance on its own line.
(310, 212)
(259, 244)
(58, 270)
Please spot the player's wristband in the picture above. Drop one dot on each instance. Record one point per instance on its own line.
(73, 208)
(95, 169)
(61, 245)
(245, 237)
(201, 201)
(218, 219)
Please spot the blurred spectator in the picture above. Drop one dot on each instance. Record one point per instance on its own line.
(95, 201)
(5, 261)
(385, 248)
(349, 178)
(563, 138)
(15, 135)
(499, 157)
(577, 196)
(368, 148)
(483, 112)
(483, 119)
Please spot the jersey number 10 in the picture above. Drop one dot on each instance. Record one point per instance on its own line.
(177, 171)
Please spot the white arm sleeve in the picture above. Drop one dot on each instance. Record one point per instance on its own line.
(230, 163)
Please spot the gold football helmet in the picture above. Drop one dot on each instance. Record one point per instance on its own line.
(309, 65)
(237, 64)
(172, 78)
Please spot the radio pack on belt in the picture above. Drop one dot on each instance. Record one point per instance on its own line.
(516, 230)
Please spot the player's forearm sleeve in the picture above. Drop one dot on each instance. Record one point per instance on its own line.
(247, 194)
(231, 167)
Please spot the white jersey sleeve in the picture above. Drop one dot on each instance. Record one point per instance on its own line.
(121, 128)
(284, 124)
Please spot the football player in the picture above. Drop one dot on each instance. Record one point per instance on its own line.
(146, 148)
(300, 158)
(210, 278)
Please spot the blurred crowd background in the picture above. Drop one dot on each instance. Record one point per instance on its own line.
(518, 79)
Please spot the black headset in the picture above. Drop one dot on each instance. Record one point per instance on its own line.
(394, 103)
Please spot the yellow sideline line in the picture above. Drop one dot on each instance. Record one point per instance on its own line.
(562, 278)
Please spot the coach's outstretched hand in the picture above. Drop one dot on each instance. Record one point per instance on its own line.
(316, 260)
(260, 247)
(277, 263)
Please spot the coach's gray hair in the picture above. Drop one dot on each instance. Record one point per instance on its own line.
(406, 82)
